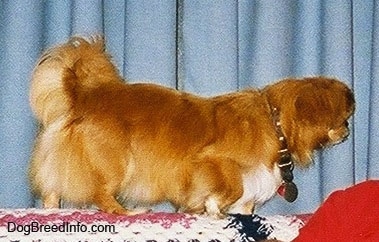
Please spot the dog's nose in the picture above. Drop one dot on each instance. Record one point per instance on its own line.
(346, 135)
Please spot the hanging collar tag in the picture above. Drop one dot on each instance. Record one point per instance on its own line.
(288, 189)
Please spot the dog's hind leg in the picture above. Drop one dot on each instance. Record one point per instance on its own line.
(51, 200)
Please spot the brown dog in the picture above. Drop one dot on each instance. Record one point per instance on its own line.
(104, 141)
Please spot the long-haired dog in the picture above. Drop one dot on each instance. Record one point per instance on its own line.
(105, 142)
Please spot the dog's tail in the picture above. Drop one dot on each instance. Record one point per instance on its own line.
(64, 71)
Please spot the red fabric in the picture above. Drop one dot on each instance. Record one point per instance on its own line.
(349, 215)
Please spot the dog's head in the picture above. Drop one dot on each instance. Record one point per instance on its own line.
(314, 113)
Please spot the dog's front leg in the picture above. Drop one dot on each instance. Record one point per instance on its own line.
(242, 208)
(248, 207)
(212, 208)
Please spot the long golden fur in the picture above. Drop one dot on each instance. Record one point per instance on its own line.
(105, 142)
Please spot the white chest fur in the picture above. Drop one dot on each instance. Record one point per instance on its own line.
(259, 186)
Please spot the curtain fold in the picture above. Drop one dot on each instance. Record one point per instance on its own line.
(114, 30)
(336, 57)
(206, 48)
(57, 22)
(209, 47)
(19, 50)
(308, 31)
(373, 162)
(363, 15)
(272, 40)
(150, 42)
(87, 17)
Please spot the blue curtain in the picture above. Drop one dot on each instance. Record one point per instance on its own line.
(204, 47)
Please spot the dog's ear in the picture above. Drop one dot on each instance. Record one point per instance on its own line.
(322, 101)
(310, 105)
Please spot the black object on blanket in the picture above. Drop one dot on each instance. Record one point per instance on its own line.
(250, 227)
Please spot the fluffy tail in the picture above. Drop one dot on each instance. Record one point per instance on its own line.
(63, 71)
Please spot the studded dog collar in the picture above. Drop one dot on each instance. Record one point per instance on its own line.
(288, 189)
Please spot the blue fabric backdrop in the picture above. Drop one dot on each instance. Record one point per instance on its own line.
(206, 47)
